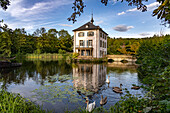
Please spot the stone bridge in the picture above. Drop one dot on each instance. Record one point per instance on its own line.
(118, 58)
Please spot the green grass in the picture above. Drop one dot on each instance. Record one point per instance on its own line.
(48, 56)
(14, 103)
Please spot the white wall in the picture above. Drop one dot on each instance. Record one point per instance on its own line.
(96, 41)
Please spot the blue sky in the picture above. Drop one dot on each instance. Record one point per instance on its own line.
(117, 19)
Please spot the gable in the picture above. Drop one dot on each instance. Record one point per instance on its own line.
(90, 27)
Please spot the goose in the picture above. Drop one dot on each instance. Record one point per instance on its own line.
(90, 106)
(135, 87)
(117, 91)
(118, 88)
(103, 101)
(107, 80)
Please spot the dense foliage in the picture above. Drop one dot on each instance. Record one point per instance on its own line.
(128, 46)
(153, 55)
(19, 42)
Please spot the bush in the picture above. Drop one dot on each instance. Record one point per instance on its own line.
(60, 51)
(14, 103)
(75, 55)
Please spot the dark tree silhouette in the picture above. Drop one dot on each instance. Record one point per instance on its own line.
(4, 4)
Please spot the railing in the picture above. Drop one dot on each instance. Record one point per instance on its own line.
(77, 46)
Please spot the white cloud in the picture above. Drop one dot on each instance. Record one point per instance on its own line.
(17, 10)
(65, 25)
(122, 13)
(99, 22)
(144, 34)
(150, 7)
(113, 2)
(122, 28)
(130, 27)
(131, 10)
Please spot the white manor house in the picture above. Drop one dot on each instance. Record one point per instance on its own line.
(90, 41)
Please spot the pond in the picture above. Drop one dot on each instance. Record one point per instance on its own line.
(60, 86)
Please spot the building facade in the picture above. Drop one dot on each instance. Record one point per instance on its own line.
(90, 41)
(89, 77)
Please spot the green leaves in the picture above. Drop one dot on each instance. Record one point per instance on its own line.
(155, 70)
(14, 103)
(5, 44)
(16, 42)
(4, 4)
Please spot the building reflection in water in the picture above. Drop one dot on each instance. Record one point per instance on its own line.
(89, 77)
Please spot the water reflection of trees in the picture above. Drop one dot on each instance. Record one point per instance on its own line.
(38, 71)
(89, 77)
(119, 67)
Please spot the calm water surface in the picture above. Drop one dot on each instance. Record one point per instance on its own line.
(61, 86)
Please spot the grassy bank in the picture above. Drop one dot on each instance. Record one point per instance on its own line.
(14, 103)
(49, 56)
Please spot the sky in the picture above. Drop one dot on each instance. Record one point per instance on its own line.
(117, 19)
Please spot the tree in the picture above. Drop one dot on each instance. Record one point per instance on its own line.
(162, 12)
(66, 41)
(4, 4)
(19, 40)
(53, 40)
(5, 45)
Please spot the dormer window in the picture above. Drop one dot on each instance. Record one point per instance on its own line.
(87, 26)
(90, 34)
(81, 34)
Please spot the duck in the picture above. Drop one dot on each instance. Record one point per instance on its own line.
(103, 101)
(118, 88)
(107, 80)
(135, 87)
(117, 91)
(90, 106)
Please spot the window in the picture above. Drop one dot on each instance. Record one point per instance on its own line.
(87, 43)
(81, 34)
(87, 52)
(100, 43)
(82, 43)
(103, 36)
(90, 34)
(90, 42)
(87, 26)
(103, 44)
(100, 34)
(82, 52)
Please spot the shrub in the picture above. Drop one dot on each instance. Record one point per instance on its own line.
(14, 103)
(75, 55)
(60, 51)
